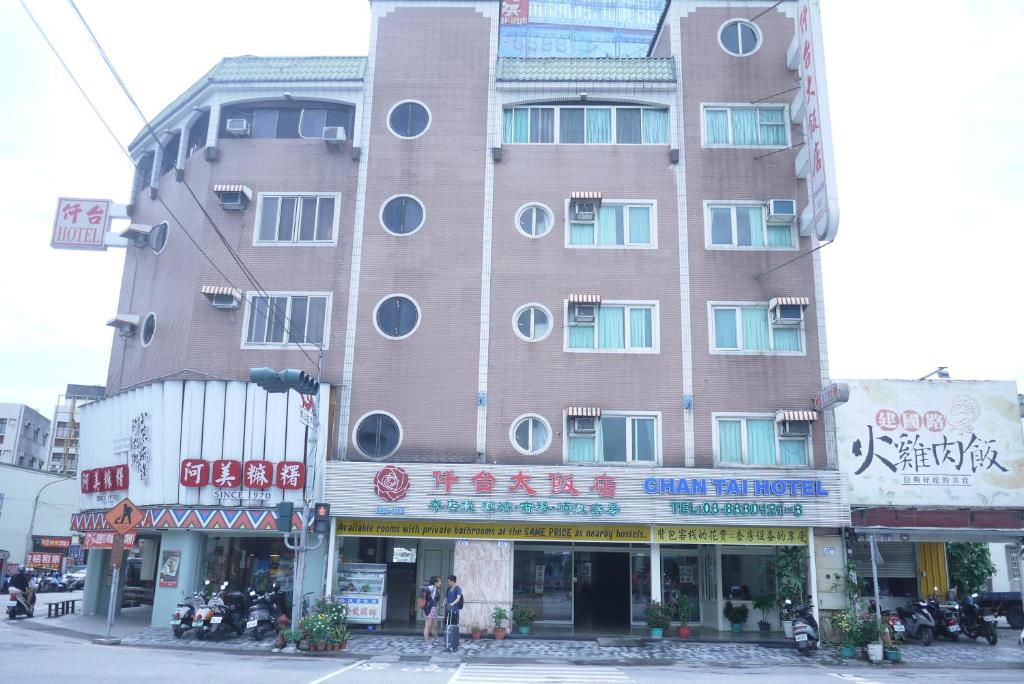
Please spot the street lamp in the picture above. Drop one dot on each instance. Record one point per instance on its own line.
(35, 507)
(941, 371)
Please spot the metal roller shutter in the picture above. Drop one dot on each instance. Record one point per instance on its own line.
(898, 559)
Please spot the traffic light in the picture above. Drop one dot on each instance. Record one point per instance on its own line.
(284, 516)
(289, 378)
(268, 379)
(322, 519)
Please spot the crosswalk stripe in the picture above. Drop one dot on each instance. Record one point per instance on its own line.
(567, 674)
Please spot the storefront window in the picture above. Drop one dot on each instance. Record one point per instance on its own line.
(745, 576)
(542, 580)
(679, 578)
(640, 583)
(248, 562)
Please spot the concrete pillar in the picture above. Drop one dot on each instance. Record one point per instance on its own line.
(211, 153)
(95, 573)
(189, 544)
(484, 569)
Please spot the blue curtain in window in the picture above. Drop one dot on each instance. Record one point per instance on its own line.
(755, 330)
(721, 226)
(787, 339)
(641, 330)
(773, 126)
(581, 337)
(639, 225)
(656, 126)
(730, 441)
(725, 329)
(608, 228)
(611, 327)
(581, 233)
(793, 452)
(744, 126)
(643, 439)
(581, 449)
(717, 124)
(599, 126)
(780, 236)
(522, 126)
(761, 442)
(508, 127)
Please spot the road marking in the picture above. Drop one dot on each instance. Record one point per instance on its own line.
(337, 672)
(851, 678)
(542, 674)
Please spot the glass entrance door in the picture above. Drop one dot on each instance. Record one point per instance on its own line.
(681, 577)
(602, 597)
(542, 580)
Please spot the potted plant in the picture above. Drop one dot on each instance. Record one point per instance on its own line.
(499, 615)
(791, 580)
(341, 637)
(736, 615)
(524, 618)
(764, 604)
(657, 619)
(475, 630)
(292, 636)
(683, 613)
(870, 631)
(847, 624)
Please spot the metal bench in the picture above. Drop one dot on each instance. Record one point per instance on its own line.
(59, 608)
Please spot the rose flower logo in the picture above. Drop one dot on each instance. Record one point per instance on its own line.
(391, 483)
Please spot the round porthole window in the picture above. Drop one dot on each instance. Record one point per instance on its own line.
(377, 435)
(409, 119)
(158, 237)
(532, 322)
(148, 329)
(534, 220)
(739, 38)
(531, 434)
(396, 317)
(402, 215)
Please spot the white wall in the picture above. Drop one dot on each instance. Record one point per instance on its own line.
(19, 487)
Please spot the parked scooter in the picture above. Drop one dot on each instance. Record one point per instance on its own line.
(21, 602)
(226, 616)
(185, 612)
(918, 621)
(805, 627)
(892, 621)
(264, 610)
(947, 624)
(973, 621)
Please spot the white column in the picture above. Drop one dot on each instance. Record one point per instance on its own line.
(332, 540)
(214, 125)
(812, 573)
(656, 571)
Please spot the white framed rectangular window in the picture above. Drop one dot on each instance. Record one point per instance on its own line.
(617, 327)
(738, 125)
(620, 437)
(576, 125)
(743, 226)
(746, 328)
(297, 218)
(286, 320)
(754, 440)
(618, 224)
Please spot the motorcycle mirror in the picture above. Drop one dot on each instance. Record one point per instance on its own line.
(207, 582)
(974, 595)
(252, 593)
(788, 602)
(224, 585)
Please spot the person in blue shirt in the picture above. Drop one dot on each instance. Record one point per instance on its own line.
(454, 600)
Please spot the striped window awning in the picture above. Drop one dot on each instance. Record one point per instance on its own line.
(585, 195)
(213, 290)
(584, 299)
(233, 187)
(583, 412)
(123, 319)
(781, 416)
(776, 302)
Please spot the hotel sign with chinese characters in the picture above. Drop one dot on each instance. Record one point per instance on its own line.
(601, 494)
(242, 481)
(81, 224)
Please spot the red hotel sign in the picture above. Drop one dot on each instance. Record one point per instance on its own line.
(109, 479)
(80, 223)
(229, 474)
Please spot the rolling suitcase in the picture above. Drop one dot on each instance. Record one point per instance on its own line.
(451, 633)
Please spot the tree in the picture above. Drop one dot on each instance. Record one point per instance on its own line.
(970, 566)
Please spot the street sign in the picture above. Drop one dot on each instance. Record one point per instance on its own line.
(124, 517)
(828, 397)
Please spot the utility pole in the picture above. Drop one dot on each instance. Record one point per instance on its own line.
(35, 506)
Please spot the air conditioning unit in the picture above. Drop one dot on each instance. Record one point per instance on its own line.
(233, 200)
(794, 428)
(787, 314)
(238, 127)
(223, 301)
(583, 210)
(584, 313)
(781, 210)
(582, 425)
(334, 134)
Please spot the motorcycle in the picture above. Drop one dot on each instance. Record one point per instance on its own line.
(918, 621)
(805, 627)
(48, 584)
(891, 620)
(223, 615)
(264, 610)
(185, 612)
(20, 602)
(203, 613)
(973, 621)
(947, 624)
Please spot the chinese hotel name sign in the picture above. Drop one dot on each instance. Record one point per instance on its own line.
(939, 443)
(234, 480)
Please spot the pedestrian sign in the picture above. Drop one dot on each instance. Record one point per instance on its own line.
(124, 517)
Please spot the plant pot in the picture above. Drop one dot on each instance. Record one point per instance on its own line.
(764, 626)
(847, 652)
(737, 627)
(875, 653)
(893, 655)
(303, 645)
(657, 632)
(476, 635)
(787, 628)
(343, 645)
(524, 629)
(500, 633)
(684, 631)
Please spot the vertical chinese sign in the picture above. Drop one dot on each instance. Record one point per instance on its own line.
(80, 223)
(821, 178)
(515, 12)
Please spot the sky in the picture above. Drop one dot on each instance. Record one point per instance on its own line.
(927, 126)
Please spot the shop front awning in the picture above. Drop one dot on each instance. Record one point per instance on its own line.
(577, 298)
(788, 415)
(926, 534)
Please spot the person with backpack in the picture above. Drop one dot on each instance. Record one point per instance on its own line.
(430, 597)
(454, 601)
